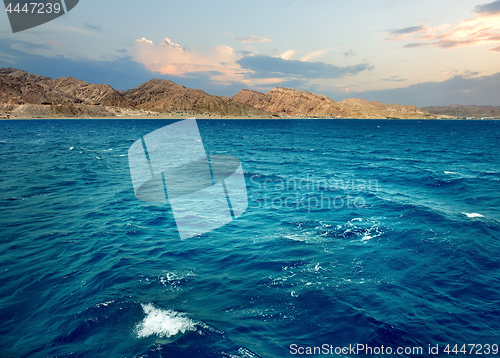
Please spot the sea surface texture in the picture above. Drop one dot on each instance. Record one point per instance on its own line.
(371, 232)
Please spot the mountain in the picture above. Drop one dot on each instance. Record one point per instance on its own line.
(25, 95)
(168, 97)
(361, 108)
(468, 111)
(19, 87)
(291, 102)
(298, 103)
(93, 93)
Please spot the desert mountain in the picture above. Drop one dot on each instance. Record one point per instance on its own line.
(25, 95)
(94, 93)
(291, 102)
(298, 103)
(361, 108)
(19, 87)
(467, 111)
(167, 97)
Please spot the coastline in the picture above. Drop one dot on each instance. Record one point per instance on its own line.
(241, 118)
(96, 112)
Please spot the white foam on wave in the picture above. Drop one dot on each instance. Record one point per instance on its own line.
(446, 172)
(369, 230)
(105, 304)
(163, 323)
(473, 215)
(173, 279)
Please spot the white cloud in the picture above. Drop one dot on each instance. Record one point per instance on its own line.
(312, 55)
(287, 54)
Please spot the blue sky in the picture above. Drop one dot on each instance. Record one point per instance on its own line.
(423, 52)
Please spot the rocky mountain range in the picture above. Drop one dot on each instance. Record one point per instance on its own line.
(465, 111)
(19, 87)
(305, 104)
(168, 97)
(25, 95)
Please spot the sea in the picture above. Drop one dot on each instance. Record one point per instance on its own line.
(361, 238)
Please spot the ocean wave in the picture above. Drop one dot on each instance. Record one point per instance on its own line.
(473, 215)
(163, 323)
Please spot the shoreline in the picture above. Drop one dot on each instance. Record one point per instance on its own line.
(36, 112)
(108, 113)
(242, 118)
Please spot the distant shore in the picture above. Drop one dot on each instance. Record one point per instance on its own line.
(166, 117)
(41, 112)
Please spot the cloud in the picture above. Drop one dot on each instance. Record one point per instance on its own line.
(171, 58)
(125, 73)
(287, 54)
(312, 55)
(93, 27)
(393, 79)
(223, 65)
(491, 8)
(8, 59)
(349, 53)
(261, 66)
(398, 34)
(60, 28)
(344, 88)
(26, 46)
(121, 74)
(460, 89)
(416, 44)
(497, 49)
(482, 29)
(252, 39)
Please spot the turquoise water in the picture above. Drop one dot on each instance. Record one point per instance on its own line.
(381, 233)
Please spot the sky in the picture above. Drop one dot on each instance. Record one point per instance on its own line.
(421, 52)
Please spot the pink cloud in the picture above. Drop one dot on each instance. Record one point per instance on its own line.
(252, 39)
(483, 29)
(171, 58)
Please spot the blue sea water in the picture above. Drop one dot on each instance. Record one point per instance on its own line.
(372, 232)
